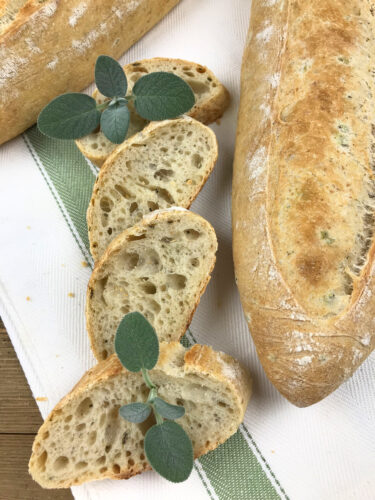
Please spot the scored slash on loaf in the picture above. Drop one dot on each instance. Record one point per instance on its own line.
(84, 438)
(211, 100)
(160, 267)
(165, 165)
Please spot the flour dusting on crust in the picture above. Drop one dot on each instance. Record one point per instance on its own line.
(77, 14)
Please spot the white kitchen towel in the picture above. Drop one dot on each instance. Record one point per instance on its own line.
(325, 452)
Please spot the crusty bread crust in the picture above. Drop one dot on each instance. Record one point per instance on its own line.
(199, 360)
(207, 110)
(301, 81)
(105, 171)
(51, 48)
(116, 246)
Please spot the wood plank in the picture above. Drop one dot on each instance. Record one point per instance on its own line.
(19, 421)
(18, 410)
(16, 484)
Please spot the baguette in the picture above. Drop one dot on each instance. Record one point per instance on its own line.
(212, 99)
(48, 47)
(166, 164)
(84, 438)
(303, 192)
(159, 267)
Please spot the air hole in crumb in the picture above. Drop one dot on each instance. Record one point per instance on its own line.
(164, 174)
(130, 462)
(45, 435)
(192, 234)
(176, 281)
(108, 448)
(60, 463)
(141, 456)
(194, 262)
(109, 230)
(94, 145)
(152, 206)
(198, 87)
(103, 469)
(197, 160)
(129, 260)
(81, 465)
(164, 195)
(222, 404)
(68, 418)
(42, 459)
(154, 306)
(128, 453)
(101, 460)
(92, 437)
(106, 204)
(84, 407)
(136, 237)
(133, 207)
(104, 354)
(80, 427)
(148, 288)
(116, 469)
(124, 192)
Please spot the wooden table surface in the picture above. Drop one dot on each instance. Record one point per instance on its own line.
(19, 421)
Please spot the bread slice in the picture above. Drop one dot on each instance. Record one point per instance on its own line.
(160, 267)
(166, 164)
(84, 438)
(212, 99)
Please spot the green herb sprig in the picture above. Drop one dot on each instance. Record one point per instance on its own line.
(156, 96)
(167, 446)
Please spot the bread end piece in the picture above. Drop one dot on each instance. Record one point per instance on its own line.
(212, 99)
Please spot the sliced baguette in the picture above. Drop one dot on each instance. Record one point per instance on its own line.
(84, 438)
(166, 164)
(212, 99)
(160, 268)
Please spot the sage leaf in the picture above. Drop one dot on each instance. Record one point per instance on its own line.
(110, 77)
(169, 451)
(69, 116)
(114, 122)
(166, 410)
(135, 412)
(136, 343)
(161, 96)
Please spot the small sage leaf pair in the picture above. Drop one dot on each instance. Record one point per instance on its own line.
(157, 96)
(167, 446)
(139, 412)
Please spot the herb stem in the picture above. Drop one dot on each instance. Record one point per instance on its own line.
(147, 379)
(159, 419)
(104, 105)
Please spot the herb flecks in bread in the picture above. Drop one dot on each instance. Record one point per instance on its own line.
(84, 438)
(165, 165)
(211, 100)
(160, 267)
(303, 191)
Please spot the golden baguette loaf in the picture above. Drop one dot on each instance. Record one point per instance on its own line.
(84, 438)
(304, 189)
(50, 47)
